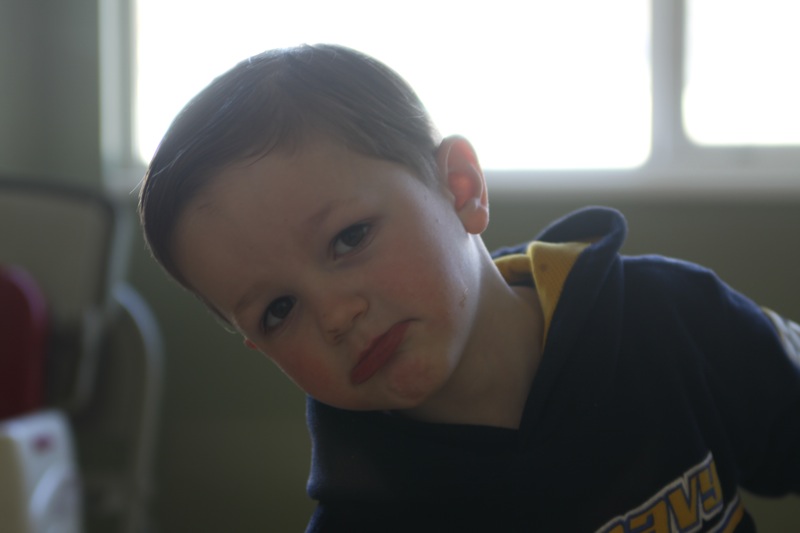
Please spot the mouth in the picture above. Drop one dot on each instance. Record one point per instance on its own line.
(379, 352)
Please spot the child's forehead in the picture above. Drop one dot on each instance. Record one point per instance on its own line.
(317, 177)
(318, 158)
(299, 154)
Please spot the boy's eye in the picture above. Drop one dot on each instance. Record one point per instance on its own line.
(276, 312)
(350, 238)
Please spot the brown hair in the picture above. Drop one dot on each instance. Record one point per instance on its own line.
(278, 100)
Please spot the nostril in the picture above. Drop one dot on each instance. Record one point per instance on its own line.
(333, 333)
(337, 318)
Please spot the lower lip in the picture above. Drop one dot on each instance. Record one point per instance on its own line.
(378, 354)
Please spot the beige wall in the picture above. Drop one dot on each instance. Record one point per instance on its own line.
(233, 451)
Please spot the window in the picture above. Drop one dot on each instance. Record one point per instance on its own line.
(532, 84)
(665, 93)
(742, 82)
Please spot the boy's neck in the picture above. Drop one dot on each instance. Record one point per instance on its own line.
(491, 384)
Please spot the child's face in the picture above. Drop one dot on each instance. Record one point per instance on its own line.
(350, 273)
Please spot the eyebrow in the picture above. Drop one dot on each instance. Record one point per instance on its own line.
(318, 217)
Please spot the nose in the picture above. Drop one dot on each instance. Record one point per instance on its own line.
(338, 312)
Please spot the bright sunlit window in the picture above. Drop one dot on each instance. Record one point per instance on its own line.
(685, 94)
(536, 84)
(742, 79)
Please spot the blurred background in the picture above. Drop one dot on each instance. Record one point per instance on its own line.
(683, 114)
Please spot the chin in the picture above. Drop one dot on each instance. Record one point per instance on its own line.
(414, 383)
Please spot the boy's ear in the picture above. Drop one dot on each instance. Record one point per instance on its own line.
(463, 178)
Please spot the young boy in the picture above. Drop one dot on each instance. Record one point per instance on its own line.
(306, 199)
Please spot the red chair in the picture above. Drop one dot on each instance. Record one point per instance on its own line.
(23, 342)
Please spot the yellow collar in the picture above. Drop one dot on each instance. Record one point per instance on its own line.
(548, 265)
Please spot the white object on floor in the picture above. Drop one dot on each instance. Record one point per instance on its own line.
(39, 483)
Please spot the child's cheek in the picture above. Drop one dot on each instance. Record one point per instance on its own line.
(301, 369)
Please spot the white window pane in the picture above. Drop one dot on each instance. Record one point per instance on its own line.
(533, 84)
(742, 75)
